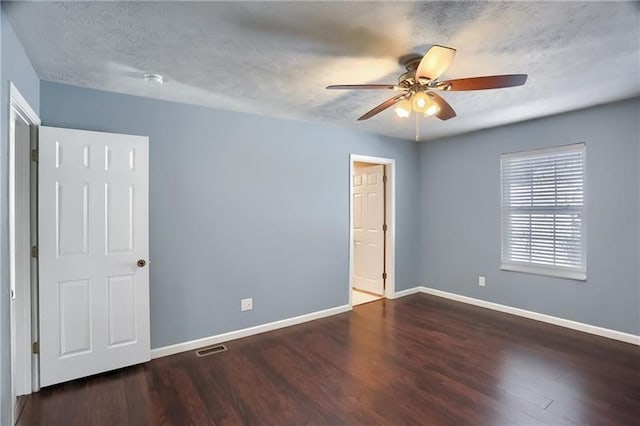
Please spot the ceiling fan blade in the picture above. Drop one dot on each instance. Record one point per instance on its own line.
(445, 111)
(386, 104)
(435, 62)
(362, 86)
(488, 82)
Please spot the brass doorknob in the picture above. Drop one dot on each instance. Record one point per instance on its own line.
(141, 263)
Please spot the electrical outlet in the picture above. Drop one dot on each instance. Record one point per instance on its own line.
(481, 281)
(246, 304)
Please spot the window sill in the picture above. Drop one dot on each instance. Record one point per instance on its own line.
(541, 270)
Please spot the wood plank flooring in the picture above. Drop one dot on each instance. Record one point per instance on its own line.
(418, 360)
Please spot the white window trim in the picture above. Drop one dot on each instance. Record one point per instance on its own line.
(544, 270)
(550, 271)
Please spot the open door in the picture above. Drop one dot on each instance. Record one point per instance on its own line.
(368, 228)
(93, 252)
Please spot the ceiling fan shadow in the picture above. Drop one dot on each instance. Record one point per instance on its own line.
(326, 33)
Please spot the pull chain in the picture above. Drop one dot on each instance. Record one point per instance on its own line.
(417, 127)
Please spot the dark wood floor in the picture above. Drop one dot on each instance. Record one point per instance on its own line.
(415, 360)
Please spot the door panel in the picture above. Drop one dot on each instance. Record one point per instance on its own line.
(119, 210)
(71, 154)
(122, 309)
(72, 218)
(75, 317)
(368, 219)
(93, 227)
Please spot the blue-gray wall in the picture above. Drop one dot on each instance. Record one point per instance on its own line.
(460, 216)
(243, 206)
(15, 67)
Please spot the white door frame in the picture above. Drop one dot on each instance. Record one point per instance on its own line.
(26, 380)
(390, 163)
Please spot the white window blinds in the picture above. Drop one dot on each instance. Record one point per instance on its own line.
(543, 211)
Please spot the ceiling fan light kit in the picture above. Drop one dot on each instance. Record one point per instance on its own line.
(420, 83)
(419, 102)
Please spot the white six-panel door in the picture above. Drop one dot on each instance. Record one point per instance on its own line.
(93, 230)
(368, 235)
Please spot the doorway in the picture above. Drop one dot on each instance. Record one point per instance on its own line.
(62, 326)
(23, 123)
(372, 210)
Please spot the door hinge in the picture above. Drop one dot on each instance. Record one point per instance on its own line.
(34, 155)
(384, 179)
(384, 275)
(35, 347)
(34, 251)
(384, 227)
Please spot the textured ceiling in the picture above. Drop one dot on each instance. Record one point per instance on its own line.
(275, 59)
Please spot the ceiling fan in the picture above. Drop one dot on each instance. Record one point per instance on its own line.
(420, 83)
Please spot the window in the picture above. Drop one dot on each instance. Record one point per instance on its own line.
(543, 211)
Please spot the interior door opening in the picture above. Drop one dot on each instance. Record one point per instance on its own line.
(371, 256)
(23, 124)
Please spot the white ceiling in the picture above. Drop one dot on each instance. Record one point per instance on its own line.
(275, 59)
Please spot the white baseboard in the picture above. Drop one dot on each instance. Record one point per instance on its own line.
(587, 328)
(245, 332)
(406, 292)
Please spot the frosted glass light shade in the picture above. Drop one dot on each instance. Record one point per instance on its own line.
(431, 110)
(403, 108)
(420, 102)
